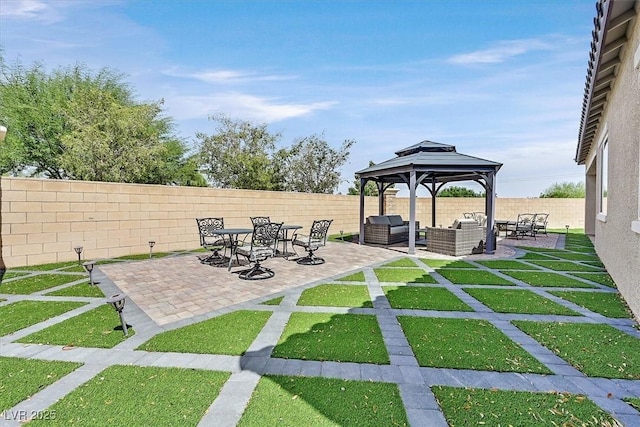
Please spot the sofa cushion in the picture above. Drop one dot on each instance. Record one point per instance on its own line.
(395, 220)
(378, 220)
(399, 229)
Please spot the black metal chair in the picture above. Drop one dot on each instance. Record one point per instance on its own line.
(525, 225)
(211, 241)
(316, 238)
(264, 242)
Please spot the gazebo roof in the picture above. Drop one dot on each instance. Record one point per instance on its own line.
(439, 161)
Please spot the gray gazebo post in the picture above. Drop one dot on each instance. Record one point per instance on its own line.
(412, 212)
(363, 182)
(490, 203)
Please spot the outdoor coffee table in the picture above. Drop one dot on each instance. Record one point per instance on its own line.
(233, 234)
(285, 238)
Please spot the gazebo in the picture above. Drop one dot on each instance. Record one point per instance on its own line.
(432, 165)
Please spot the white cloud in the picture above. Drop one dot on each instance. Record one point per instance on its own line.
(501, 52)
(227, 76)
(247, 107)
(26, 10)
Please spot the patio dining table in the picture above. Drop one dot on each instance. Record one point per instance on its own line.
(285, 239)
(232, 234)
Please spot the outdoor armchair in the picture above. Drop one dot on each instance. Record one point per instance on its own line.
(210, 241)
(316, 238)
(524, 226)
(264, 241)
(540, 223)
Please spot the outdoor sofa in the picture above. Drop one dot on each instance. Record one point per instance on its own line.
(386, 229)
(457, 240)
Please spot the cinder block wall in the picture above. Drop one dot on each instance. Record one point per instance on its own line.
(42, 220)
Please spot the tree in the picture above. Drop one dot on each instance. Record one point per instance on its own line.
(565, 190)
(78, 124)
(313, 166)
(242, 154)
(455, 191)
(370, 188)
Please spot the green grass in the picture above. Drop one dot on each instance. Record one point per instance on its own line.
(21, 314)
(467, 407)
(547, 279)
(79, 290)
(423, 298)
(571, 256)
(22, 378)
(10, 275)
(537, 256)
(337, 337)
(564, 265)
(37, 283)
(403, 275)
(355, 277)
(595, 350)
(473, 277)
(142, 257)
(446, 263)
(598, 264)
(537, 249)
(99, 327)
(402, 262)
(602, 278)
(140, 396)
(507, 264)
(336, 296)
(466, 344)
(275, 301)
(346, 237)
(299, 401)
(605, 303)
(230, 334)
(518, 301)
(635, 402)
(51, 266)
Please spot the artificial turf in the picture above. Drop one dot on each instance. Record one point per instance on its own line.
(10, 275)
(606, 303)
(140, 396)
(300, 401)
(507, 264)
(547, 279)
(602, 278)
(572, 256)
(468, 406)
(336, 337)
(473, 277)
(424, 298)
(79, 290)
(230, 334)
(537, 256)
(99, 327)
(466, 344)
(564, 265)
(20, 314)
(403, 275)
(22, 378)
(355, 277)
(274, 301)
(518, 301)
(595, 350)
(402, 262)
(50, 266)
(37, 283)
(333, 295)
(444, 263)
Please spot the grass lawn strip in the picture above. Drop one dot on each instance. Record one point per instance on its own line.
(11, 274)
(336, 337)
(507, 264)
(336, 296)
(564, 265)
(51, 266)
(547, 279)
(275, 301)
(140, 396)
(37, 283)
(473, 277)
(300, 401)
(536, 255)
(230, 334)
(605, 303)
(598, 264)
(635, 402)
(467, 406)
(22, 378)
(595, 350)
(79, 290)
(518, 301)
(142, 257)
(99, 327)
(466, 344)
(446, 263)
(21, 314)
(402, 262)
(423, 298)
(602, 278)
(576, 256)
(403, 275)
(536, 249)
(355, 277)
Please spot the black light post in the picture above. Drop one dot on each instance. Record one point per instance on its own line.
(567, 227)
(78, 250)
(117, 302)
(151, 244)
(89, 267)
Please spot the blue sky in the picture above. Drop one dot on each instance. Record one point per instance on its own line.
(499, 79)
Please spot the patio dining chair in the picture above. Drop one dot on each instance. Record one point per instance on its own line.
(525, 225)
(316, 238)
(541, 223)
(211, 241)
(264, 241)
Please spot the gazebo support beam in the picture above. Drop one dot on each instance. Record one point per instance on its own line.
(412, 212)
(363, 182)
(490, 203)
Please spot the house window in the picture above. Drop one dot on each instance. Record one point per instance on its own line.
(604, 177)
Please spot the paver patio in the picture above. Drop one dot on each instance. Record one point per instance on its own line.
(168, 293)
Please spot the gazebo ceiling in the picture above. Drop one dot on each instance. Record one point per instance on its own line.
(429, 159)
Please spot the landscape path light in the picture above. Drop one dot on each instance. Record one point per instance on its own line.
(117, 302)
(151, 244)
(89, 267)
(567, 227)
(78, 250)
